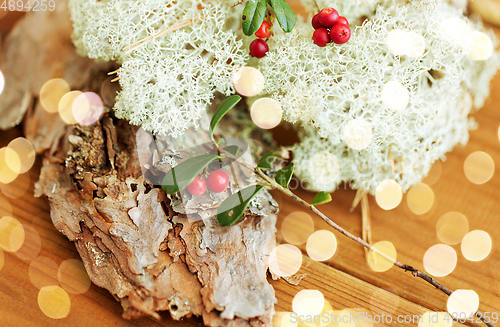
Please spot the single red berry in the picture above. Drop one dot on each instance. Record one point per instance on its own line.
(198, 186)
(315, 22)
(340, 33)
(217, 181)
(328, 17)
(320, 37)
(343, 20)
(258, 48)
(264, 30)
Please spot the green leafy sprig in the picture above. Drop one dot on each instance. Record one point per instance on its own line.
(255, 11)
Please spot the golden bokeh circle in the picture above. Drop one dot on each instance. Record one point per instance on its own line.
(11, 234)
(479, 167)
(420, 198)
(476, 245)
(388, 194)
(25, 152)
(52, 92)
(17, 189)
(10, 165)
(321, 245)
(462, 304)
(285, 260)
(87, 108)
(73, 276)
(43, 272)
(65, 107)
(452, 227)
(434, 173)
(378, 262)
(285, 319)
(32, 244)
(248, 81)
(297, 227)
(266, 113)
(440, 260)
(54, 302)
(308, 302)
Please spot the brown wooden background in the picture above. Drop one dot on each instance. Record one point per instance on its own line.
(345, 280)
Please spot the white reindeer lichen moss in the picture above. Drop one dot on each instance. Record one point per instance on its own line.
(324, 89)
(408, 74)
(167, 83)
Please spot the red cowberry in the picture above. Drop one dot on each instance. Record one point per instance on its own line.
(340, 33)
(343, 20)
(320, 37)
(328, 17)
(264, 30)
(198, 186)
(258, 48)
(217, 181)
(315, 22)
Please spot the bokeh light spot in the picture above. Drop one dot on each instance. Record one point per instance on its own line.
(395, 95)
(398, 42)
(87, 108)
(66, 107)
(478, 46)
(10, 165)
(11, 234)
(43, 272)
(285, 319)
(463, 303)
(248, 81)
(479, 167)
(285, 260)
(308, 302)
(357, 134)
(416, 45)
(2, 259)
(434, 173)
(440, 260)
(5, 207)
(324, 167)
(52, 92)
(25, 152)
(54, 302)
(476, 245)
(266, 113)
(435, 319)
(321, 245)
(388, 194)
(17, 189)
(452, 227)
(420, 199)
(73, 276)
(2, 82)
(297, 227)
(377, 261)
(32, 244)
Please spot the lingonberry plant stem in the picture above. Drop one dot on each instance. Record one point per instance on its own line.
(415, 272)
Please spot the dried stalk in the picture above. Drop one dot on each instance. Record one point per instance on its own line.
(415, 272)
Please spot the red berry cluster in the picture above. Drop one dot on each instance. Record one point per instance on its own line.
(259, 47)
(329, 26)
(216, 182)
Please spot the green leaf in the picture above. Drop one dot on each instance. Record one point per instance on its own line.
(267, 160)
(181, 175)
(253, 16)
(233, 149)
(234, 206)
(222, 109)
(283, 176)
(321, 197)
(284, 14)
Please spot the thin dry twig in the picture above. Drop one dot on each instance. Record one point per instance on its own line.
(415, 272)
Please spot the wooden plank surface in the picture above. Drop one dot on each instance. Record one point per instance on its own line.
(345, 280)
